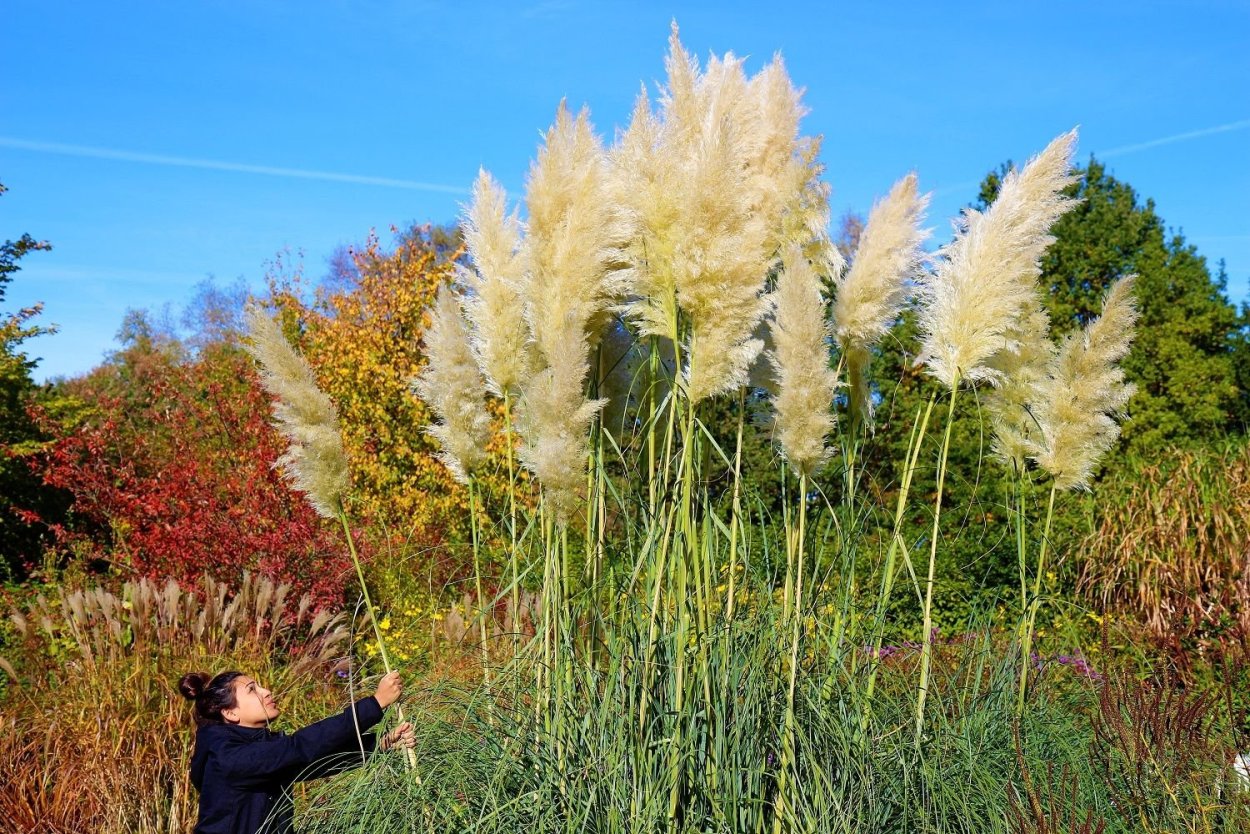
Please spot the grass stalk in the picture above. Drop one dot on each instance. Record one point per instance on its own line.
(1026, 647)
(409, 757)
(926, 650)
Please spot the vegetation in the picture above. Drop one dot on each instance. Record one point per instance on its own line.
(690, 516)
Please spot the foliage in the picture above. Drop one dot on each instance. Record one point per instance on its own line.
(21, 490)
(1172, 550)
(171, 472)
(363, 335)
(94, 735)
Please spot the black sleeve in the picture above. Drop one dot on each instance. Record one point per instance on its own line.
(344, 760)
(248, 764)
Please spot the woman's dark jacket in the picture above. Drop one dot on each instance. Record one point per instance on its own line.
(244, 774)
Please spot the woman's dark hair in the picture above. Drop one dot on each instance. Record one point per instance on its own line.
(211, 695)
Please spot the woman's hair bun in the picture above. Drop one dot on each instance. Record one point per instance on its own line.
(193, 684)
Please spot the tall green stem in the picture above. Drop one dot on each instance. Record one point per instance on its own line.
(513, 558)
(1026, 647)
(409, 755)
(477, 587)
(737, 508)
(920, 426)
(796, 562)
(926, 651)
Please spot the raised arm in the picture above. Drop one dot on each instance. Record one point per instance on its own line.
(249, 763)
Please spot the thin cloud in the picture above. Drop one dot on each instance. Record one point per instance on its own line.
(1124, 149)
(1179, 137)
(220, 165)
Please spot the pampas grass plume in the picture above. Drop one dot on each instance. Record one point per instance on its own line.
(452, 386)
(986, 278)
(1020, 368)
(573, 252)
(500, 336)
(717, 182)
(1085, 390)
(573, 256)
(805, 384)
(314, 462)
(872, 293)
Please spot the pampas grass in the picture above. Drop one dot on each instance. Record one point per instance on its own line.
(717, 182)
(986, 278)
(500, 335)
(872, 293)
(574, 271)
(1019, 369)
(314, 462)
(452, 385)
(805, 384)
(1084, 391)
(572, 253)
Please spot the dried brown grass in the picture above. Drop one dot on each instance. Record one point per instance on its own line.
(1172, 551)
(93, 733)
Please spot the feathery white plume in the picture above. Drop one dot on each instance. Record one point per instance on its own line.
(717, 183)
(872, 293)
(805, 384)
(452, 386)
(314, 462)
(1085, 389)
(1019, 369)
(500, 335)
(573, 272)
(986, 278)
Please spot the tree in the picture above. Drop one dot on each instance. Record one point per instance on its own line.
(21, 490)
(171, 470)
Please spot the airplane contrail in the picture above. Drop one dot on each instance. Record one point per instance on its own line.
(219, 165)
(1123, 149)
(1179, 137)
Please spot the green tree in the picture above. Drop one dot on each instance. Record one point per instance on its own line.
(21, 490)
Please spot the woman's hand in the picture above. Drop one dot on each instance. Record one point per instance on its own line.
(401, 737)
(389, 689)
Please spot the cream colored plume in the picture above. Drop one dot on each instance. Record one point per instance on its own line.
(1085, 389)
(1019, 370)
(314, 462)
(573, 251)
(574, 271)
(553, 423)
(805, 384)
(451, 384)
(716, 183)
(872, 293)
(500, 335)
(986, 278)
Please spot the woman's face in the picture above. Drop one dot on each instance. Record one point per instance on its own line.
(254, 705)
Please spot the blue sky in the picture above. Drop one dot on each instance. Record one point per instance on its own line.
(156, 144)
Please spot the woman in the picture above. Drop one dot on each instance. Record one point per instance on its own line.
(244, 771)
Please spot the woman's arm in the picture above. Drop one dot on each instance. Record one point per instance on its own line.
(249, 763)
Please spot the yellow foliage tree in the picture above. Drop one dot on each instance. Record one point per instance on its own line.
(363, 336)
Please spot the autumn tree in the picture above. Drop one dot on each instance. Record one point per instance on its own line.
(171, 470)
(362, 332)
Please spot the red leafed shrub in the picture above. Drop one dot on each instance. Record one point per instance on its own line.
(172, 475)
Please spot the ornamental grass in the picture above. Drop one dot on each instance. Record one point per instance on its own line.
(702, 660)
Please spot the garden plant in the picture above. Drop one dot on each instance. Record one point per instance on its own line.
(698, 661)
